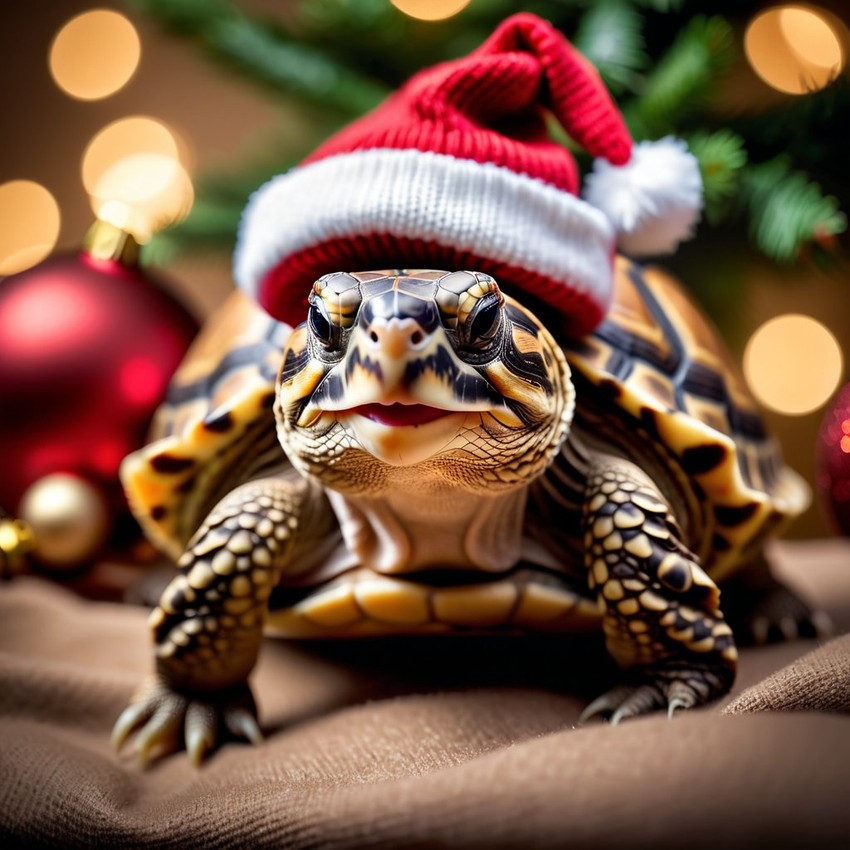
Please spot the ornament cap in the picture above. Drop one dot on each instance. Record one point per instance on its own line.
(106, 241)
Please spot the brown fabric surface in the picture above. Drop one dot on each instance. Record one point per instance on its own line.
(421, 743)
(819, 681)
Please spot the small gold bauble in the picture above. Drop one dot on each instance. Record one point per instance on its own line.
(16, 542)
(69, 518)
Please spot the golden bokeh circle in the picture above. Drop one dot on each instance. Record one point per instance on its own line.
(133, 173)
(793, 364)
(95, 54)
(144, 193)
(430, 10)
(794, 49)
(29, 225)
(125, 137)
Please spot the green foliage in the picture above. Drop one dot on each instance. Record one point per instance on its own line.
(808, 128)
(296, 68)
(610, 35)
(665, 61)
(684, 80)
(722, 159)
(186, 16)
(663, 5)
(786, 210)
(265, 54)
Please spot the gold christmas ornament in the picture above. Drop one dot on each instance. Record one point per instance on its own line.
(69, 519)
(16, 541)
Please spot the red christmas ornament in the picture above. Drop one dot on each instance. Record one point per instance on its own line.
(88, 343)
(833, 462)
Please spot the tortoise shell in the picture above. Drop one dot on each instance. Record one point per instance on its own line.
(658, 361)
(655, 363)
(215, 428)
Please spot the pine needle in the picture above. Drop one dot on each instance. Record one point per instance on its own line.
(722, 157)
(610, 36)
(787, 211)
(685, 79)
(267, 55)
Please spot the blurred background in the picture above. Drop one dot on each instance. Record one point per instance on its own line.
(161, 116)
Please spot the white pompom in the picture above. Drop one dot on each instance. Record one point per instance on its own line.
(654, 200)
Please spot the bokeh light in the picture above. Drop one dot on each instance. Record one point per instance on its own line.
(134, 176)
(794, 49)
(29, 225)
(125, 137)
(430, 10)
(144, 193)
(793, 364)
(95, 54)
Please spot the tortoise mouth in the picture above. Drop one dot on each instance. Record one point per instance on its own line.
(400, 415)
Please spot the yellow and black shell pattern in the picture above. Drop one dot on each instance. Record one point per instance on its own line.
(216, 428)
(654, 381)
(660, 363)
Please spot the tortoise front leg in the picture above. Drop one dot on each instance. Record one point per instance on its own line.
(208, 625)
(662, 622)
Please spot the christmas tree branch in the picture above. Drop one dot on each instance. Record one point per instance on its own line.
(264, 53)
(722, 159)
(804, 127)
(315, 52)
(610, 36)
(787, 211)
(684, 80)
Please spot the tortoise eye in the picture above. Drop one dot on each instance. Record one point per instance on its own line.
(483, 323)
(320, 325)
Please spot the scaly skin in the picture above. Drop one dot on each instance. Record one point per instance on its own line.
(662, 622)
(208, 625)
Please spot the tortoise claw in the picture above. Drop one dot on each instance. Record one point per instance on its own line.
(642, 699)
(822, 624)
(132, 716)
(165, 719)
(606, 704)
(621, 703)
(241, 724)
(680, 696)
(655, 692)
(160, 736)
(765, 628)
(200, 731)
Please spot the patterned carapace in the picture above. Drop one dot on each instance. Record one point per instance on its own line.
(420, 455)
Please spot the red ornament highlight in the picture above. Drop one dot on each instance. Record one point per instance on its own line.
(88, 343)
(833, 462)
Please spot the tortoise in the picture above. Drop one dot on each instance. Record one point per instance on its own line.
(422, 456)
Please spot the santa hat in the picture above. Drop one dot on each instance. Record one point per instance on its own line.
(457, 170)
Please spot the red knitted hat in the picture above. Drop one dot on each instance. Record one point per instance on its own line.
(457, 170)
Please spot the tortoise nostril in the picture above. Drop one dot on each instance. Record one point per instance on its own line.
(395, 336)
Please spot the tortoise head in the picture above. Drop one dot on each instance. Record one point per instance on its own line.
(437, 371)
